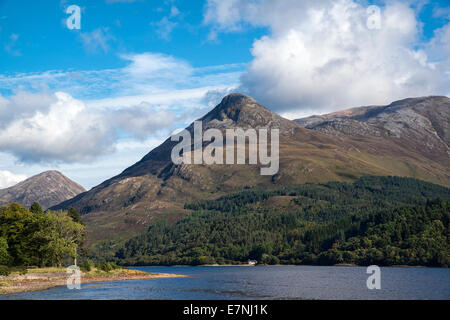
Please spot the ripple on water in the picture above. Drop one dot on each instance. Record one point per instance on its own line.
(264, 282)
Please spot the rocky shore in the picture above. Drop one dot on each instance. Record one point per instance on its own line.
(46, 278)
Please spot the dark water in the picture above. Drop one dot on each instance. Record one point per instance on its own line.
(268, 282)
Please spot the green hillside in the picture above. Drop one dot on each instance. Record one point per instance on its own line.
(376, 220)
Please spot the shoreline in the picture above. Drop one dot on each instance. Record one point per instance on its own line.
(47, 278)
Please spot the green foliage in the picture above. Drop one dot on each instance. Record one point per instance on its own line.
(36, 208)
(39, 239)
(5, 258)
(107, 266)
(86, 265)
(103, 251)
(376, 220)
(74, 215)
(4, 271)
(55, 237)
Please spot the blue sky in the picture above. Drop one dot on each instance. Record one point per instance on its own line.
(45, 43)
(93, 101)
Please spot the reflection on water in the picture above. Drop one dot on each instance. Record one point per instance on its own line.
(268, 282)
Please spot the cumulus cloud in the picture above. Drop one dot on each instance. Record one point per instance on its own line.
(65, 131)
(133, 103)
(23, 104)
(68, 131)
(214, 97)
(140, 120)
(321, 55)
(8, 179)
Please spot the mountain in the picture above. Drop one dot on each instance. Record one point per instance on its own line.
(155, 188)
(48, 188)
(421, 123)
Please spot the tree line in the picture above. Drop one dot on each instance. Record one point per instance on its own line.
(375, 220)
(32, 237)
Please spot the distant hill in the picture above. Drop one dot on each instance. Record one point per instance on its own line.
(408, 138)
(48, 188)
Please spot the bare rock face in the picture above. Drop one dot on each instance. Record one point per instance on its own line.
(422, 123)
(48, 188)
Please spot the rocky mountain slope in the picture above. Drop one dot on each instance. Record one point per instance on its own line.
(421, 123)
(48, 188)
(155, 188)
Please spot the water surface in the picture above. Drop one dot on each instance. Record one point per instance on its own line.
(263, 282)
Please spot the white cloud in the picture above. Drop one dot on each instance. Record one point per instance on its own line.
(439, 47)
(96, 40)
(65, 131)
(140, 120)
(182, 99)
(164, 28)
(174, 11)
(321, 56)
(95, 113)
(145, 74)
(214, 97)
(224, 14)
(23, 104)
(68, 131)
(8, 179)
(156, 66)
(441, 12)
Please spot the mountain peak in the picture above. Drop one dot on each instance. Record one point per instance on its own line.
(236, 110)
(49, 173)
(236, 99)
(48, 188)
(231, 106)
(240, 110)
(155, 188)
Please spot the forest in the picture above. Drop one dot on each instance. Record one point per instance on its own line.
(32, 237)
(375, 220)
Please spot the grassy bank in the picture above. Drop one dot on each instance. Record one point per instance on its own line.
(46, 278)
